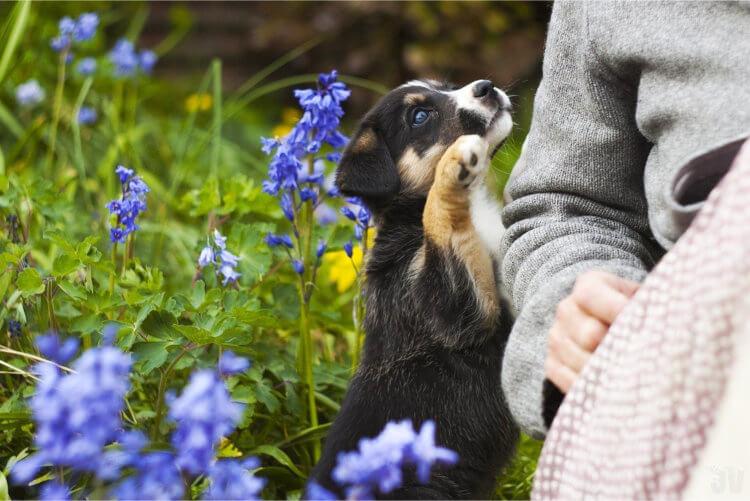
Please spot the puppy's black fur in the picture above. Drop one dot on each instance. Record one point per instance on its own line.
(430, 351)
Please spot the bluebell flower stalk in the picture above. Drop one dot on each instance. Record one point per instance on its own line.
(296, 175)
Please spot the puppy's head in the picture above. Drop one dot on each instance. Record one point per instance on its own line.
(399, 142)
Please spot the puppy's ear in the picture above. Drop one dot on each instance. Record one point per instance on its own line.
(366, 168)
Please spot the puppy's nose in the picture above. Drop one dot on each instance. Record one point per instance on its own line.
(483, 88)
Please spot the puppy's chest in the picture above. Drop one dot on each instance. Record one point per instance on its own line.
(485, 217)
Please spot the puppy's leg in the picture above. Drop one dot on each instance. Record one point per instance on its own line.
(447, 216)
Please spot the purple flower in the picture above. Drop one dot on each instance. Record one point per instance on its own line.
(85, 27)
(77, 414)
(49, 346)
(87, 66)
(220, 240)
(14, 328)
(348, 213)
(315, 492)
(86, 115)
(59, 42)
(124, 173)
(272, 240)
(376, 467)
(348, 248)
(228, 259)
(147, 60)
(358, 232)
(29, 93)
(230, 276)
(129, 206)
(207, 256)
(66, 25)
(306, 194)
(231, 479)
(320, 249)
(204, 413)
(287, 240)
(287, 206)
(54, 490)
(325, 214)
(298, 266)
(124, 58)
(229, 363)
(157, 477)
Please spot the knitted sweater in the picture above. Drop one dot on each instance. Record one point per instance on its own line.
(639, 112)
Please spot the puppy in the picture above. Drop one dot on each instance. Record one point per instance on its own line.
(435, 327)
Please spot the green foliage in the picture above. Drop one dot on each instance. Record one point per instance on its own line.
(204, 166)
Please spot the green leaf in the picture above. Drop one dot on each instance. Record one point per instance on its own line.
(278, 455)
(29, 282)
(195, 334)
(4, 496)
(160, 324)
(255, 317)
(72, 290)
(151, 355)
(64, 264)
(267, 398)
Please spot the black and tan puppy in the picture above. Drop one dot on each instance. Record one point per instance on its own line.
(435, 327)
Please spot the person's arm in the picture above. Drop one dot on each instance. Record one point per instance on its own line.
(577, 206)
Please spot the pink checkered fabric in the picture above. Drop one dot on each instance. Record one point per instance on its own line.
(636, 419)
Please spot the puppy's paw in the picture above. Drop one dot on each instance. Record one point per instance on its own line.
(465, 161)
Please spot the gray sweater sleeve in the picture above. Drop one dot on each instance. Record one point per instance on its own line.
(578, 204)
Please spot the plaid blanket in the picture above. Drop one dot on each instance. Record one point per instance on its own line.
(636, 420)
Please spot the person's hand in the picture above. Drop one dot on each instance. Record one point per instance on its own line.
(581, 321)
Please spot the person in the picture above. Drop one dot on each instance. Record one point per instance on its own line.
(641, 108)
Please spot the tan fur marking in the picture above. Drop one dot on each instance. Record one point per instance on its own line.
(414, 98)
(419, 172)
(447, 223)
(366, 141)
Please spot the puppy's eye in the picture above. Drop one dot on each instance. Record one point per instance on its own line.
(420, 116)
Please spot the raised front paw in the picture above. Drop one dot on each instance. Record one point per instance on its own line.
(464, 162)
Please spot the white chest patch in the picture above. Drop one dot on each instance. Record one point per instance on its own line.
(485, 215)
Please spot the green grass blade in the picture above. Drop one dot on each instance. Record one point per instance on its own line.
(216, 127)
(19, 17)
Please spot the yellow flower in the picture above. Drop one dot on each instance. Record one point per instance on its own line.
(341, 271)
(198, 102)
(281, 130)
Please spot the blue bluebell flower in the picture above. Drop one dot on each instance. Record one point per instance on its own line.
(66, 25)
(50, 347)
(348, 213)
(424, 453)
(229, 363)
(29, 93)
(231, 479)
(204, 413)
(220, 240)
(320, 249)
(315, 492)
(207, 256)
(325, 214)
(14, 328)
(306, 194)
(85, 27)
(147, 59)
(157, 477)
(76, 414)
(229, 259)
(348, 248)
(54, 491)
(86, 115)
(298, 266)
(124, 58)
(358, 232)
(287, 241)
(60, 42)
(333, 191)
(287, 206)
(377, 466)
(272, 240)
(87, 66)
(129, 206)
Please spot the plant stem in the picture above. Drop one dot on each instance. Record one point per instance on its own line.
(50, 309)
(114, 270)
(216, 128)
(163, 389)
(57, 108)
